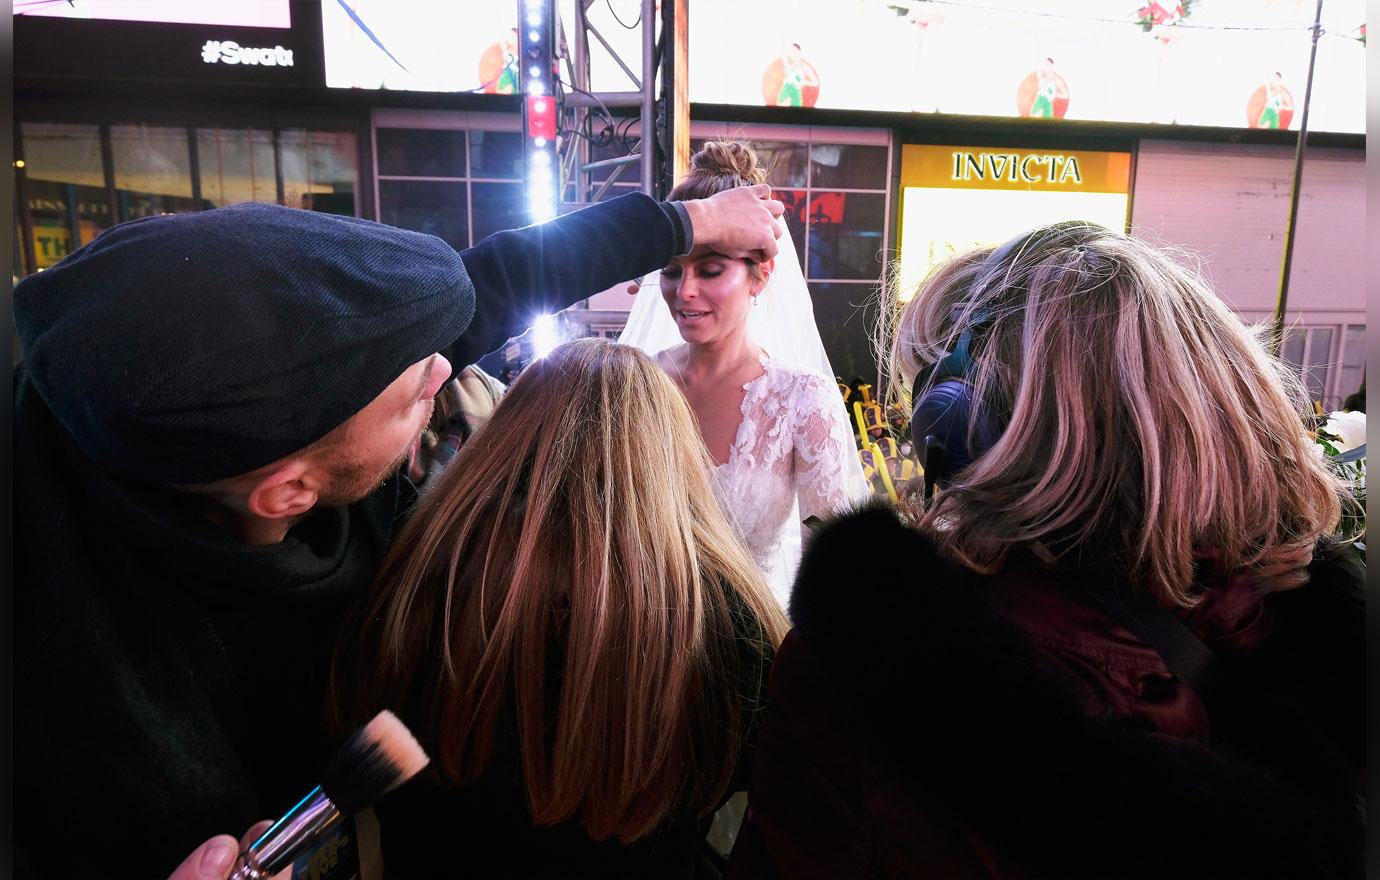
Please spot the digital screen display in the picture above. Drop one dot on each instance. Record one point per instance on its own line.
(240, 13)
(422, 45)
(1221, 63)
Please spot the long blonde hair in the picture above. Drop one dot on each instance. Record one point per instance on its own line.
(571, 591)
(1144, 422)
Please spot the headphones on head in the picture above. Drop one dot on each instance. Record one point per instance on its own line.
(942, 419)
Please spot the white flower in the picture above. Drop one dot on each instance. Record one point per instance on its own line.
(1350, 427)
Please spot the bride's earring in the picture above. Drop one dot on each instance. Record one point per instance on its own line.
(755, 298)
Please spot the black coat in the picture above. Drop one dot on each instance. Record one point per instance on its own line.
(915, 732)
(170, 681)
(432, 829)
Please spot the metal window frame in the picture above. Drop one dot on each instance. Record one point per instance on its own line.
(440, 120)
(810, 136)
(1331, 364)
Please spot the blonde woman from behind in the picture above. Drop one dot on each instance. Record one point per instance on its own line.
(575, 633)
(994, 701)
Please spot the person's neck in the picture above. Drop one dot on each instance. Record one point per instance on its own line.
(252, 530)
(710, 361)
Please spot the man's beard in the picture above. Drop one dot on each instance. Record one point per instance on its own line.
(350, 484)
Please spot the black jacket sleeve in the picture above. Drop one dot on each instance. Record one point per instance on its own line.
(521, 273)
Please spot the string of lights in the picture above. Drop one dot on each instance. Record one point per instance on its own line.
(1302, 25)
(537, 70)
(631, 27)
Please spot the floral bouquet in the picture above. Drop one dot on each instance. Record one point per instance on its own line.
(1341, 438)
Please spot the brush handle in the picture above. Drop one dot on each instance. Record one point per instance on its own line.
(289, 837)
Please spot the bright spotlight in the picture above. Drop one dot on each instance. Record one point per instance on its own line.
(546, 335)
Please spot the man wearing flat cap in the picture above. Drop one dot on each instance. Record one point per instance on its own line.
(209, 425)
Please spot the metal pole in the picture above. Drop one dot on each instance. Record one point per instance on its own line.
(675, 94)
(579, 75)
(1277, 336)
(649, 97)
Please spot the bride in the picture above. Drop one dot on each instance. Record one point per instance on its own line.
(739, 340)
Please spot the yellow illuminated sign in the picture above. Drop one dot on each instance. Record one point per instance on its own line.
(956, 198)
(1004, 168)
(52, 243)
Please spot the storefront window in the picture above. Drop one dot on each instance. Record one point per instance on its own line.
(846, 235)
(64, 185)
(319, 170)
(236, 166)
(797, 202)
(1309, 351)
(785, 163)
(153, 170)
(846, 315)
(848, 166)
(496, 154)
(1353, 371)
(497, 206)
(1317, 362)
(460, 184)
(434, 207)
(420, 152)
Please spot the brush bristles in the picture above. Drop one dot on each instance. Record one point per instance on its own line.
(377, 758)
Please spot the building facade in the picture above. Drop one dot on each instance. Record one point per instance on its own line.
(117, 120)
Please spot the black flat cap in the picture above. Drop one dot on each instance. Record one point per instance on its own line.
(191, 347)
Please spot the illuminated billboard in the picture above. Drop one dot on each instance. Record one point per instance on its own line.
(956, 198)
(422, 45)
(1224, 63)
(241, 13)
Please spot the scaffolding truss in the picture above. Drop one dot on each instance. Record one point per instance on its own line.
(648, 121)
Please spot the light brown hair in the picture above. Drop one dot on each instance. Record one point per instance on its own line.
(1144, 422)
(570, 591)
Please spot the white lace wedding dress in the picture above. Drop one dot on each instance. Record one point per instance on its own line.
(793, 458)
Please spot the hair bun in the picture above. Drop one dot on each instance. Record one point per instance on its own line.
(728, 159)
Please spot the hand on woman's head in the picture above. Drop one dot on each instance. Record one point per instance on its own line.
(738, 222)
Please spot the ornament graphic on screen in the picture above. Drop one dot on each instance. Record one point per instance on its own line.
(924, 20)
(1271, 105)
(1161, 20)
(1043, 94)
(790, 81)
(498, 66)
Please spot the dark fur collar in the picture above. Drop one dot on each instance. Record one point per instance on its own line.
(958, 704)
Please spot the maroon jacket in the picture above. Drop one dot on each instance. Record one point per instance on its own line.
(926, 722)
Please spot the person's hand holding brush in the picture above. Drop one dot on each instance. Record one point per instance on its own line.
(215, 859)
(378, 758)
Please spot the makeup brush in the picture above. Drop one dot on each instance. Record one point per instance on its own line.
(377, 758)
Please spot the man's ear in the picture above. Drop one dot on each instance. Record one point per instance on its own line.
(287, 490)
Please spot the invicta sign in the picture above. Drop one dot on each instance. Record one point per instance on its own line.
(1017, 168)
(1012, 168)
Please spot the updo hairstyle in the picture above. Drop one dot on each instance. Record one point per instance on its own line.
(720, 166)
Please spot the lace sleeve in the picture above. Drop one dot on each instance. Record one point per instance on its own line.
(828, 473)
